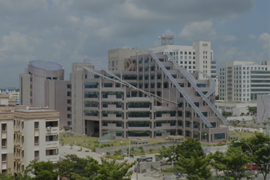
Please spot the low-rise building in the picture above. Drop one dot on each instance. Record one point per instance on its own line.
(263, 108)
(236, 108)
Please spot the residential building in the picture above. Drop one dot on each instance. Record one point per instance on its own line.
(27, 133)
(119, 102)
(43, 85)
(7, 138)
(198, 57)
(242, 81)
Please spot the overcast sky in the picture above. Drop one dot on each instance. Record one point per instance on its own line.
(67, 31)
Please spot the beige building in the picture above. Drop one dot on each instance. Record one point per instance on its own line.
(119, 102)
(44, 85)
(117, 57)
(27, 133)
(7, 140)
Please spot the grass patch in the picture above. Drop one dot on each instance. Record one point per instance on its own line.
(170, 169)
(91, 142)
(242, 135)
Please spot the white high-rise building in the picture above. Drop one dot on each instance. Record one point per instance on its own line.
(242, 81)
(198, 57)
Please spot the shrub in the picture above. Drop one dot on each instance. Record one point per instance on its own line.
(86, 150)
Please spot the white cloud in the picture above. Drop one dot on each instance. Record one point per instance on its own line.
(264, 39)
(198, 31)
(229, 38)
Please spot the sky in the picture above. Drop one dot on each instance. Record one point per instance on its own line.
(68, 31)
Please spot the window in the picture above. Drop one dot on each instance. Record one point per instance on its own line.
(36, 154)
(4, 127)
(4, 142)
(36, 125)
(36, 139)
(4, 157)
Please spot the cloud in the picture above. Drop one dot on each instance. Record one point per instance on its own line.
(198, 31)
(264, 39)
(67, 31)
(229, 38)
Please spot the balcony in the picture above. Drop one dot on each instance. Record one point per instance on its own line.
(166, 116)
(112, 117)
(166, 126)
(4, 135)
(112, 126)
(52, 143)
(53, 158)
(52, 130)
(138, 128)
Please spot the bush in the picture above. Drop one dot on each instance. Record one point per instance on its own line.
(86, 150)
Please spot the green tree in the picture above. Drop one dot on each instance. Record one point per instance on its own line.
(252, 109)
(73, 166)
(226, 113)
(187, 148)
(88, 168)
(232, 163)
(258, 145)
(42, 170)
(196, 167)
(168, 153)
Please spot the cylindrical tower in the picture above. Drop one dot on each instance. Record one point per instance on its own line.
(40, 71)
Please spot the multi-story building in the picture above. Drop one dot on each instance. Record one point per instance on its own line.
(36, 133)
(7, 140)
(27, 134)
(120, 102)
(117, 57)
(198, 57)
(242, 81)
(44, 85)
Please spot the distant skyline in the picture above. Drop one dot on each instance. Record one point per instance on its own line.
(67, 31)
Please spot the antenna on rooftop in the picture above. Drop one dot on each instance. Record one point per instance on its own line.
(166, 39)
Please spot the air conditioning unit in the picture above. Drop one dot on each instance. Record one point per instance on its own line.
(49, 128)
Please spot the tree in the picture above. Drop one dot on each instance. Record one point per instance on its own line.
(235, 122)
(226, 113)
(168, 153)
(232, 163)
(259, 145)
(187, 148)
(42, 170)
(196, 167)
(252, 110)
(73, 167)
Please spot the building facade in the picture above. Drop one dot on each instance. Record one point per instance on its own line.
(117, 57)
(263, 108)
(104, 102)
(27, 134)
(43, 85)
(198, 57)
(242, 81)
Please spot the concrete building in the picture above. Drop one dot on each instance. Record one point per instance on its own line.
(44, 85)
(117, 57)
(27, 134)
(7, 140)
(198, 57)
(263, 108)
(120, 103)
(236, 108)
(242, 81)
